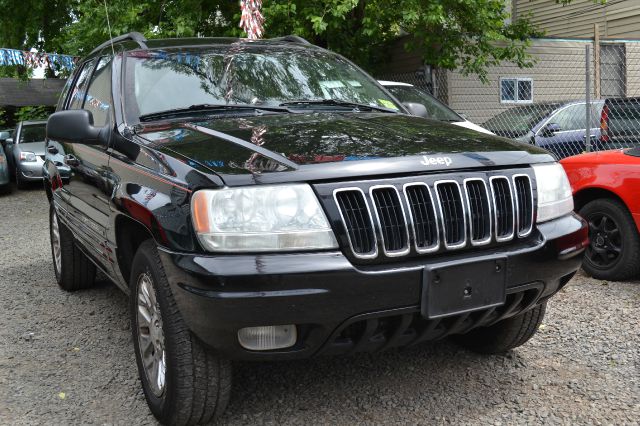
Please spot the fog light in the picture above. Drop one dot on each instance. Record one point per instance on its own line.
(268, 337)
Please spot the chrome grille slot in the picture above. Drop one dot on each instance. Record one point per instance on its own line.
(452, 213)
(503, 208)
(357, 220)
(390, 219)
(479, 211)
(524, 204)
(423, 216)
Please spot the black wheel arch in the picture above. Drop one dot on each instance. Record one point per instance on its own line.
(129, 234)
(585, 196)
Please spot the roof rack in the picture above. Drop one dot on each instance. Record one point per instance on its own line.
(292, 39)
(134, 36)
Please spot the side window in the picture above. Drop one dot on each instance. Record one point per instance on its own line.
(80, 88)
(570, 118)
(98, 99)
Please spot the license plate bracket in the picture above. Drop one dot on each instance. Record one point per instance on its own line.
(460, 287)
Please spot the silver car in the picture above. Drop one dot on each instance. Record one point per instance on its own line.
(25, 151)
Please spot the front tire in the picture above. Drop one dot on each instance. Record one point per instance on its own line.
(506, 334)
(184, 382)
(74, 271)
(614, 241)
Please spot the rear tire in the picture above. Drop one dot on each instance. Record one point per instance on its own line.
(74, 271)
(614, 244)
(195, 384)
(506, 334)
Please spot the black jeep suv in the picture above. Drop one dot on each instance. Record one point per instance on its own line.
(268, 200)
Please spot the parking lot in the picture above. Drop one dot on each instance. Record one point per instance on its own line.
(68, 359)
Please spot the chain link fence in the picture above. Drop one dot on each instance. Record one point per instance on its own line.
(574, 85)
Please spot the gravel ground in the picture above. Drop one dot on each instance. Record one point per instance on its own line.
(68, 359)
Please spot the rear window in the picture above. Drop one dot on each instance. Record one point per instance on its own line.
(624, 116)
(33, 133)
(519, 120)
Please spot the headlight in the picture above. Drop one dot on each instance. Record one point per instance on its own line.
(554, 192)
(261, 218)
(27, 157)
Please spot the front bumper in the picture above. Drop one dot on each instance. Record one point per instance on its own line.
(31, 170)
(339, 307)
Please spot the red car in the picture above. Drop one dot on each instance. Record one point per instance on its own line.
(606, 189)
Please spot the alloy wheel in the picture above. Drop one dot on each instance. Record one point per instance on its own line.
(606, 242)
(151, 335)
(55, 244)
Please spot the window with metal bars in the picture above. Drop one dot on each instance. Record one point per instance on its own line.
(452, 212)
(355, 214)
(390, 218)
(425, 225)
(479, 210)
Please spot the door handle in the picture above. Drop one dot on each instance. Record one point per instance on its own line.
(52, 149)
(590, 136)
(71, 160)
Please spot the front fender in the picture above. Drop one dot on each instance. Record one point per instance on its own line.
(166, 215)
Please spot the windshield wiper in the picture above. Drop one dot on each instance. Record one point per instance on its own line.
(208, 108)
(336, 102)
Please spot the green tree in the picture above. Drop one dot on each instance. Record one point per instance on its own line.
(26, 24)
(37, 112)
(467, 34)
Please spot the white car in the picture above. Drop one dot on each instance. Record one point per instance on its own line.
(436, 110)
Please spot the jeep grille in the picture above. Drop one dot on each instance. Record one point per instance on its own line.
(446, 214)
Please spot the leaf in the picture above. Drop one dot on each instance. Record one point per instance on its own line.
(62, 395)
(319, 25)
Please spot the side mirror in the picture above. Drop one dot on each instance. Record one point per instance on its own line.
(8, 141)
(550, 130)
(75, 126)
(416, 109)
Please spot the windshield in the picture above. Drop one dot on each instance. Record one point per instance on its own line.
(436, 109)
(519, 120)
(243, 74)
(33, 133)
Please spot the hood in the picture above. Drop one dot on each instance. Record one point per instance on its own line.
(288, 142)
(36, 147)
